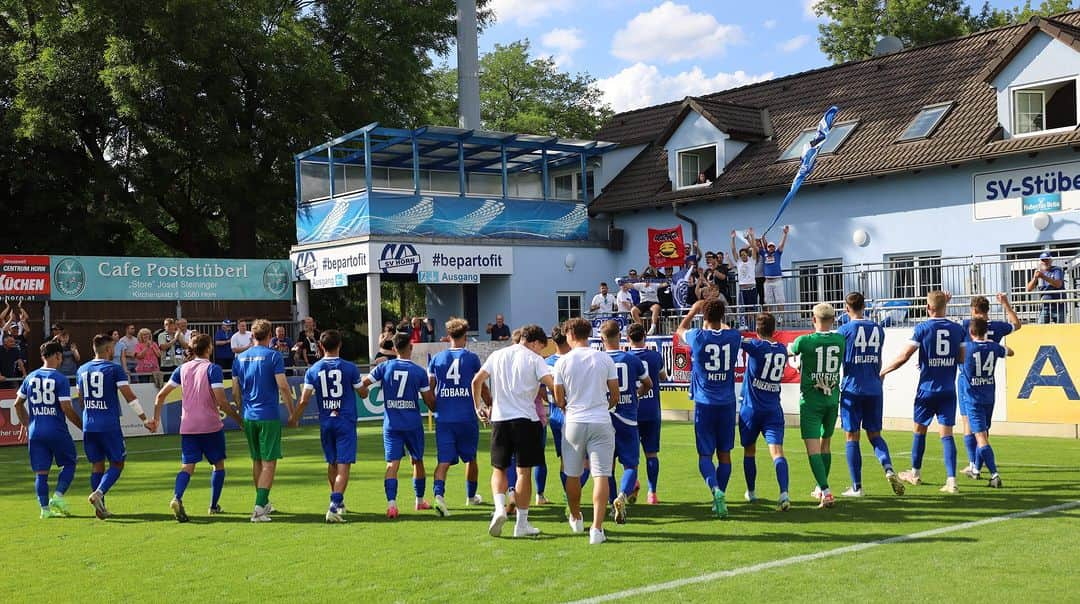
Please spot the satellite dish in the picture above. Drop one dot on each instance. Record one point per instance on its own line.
(887, 46)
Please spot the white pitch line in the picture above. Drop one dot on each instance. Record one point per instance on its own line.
(745, 570)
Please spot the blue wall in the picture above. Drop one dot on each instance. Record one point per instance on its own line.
(1041, 60)
(929, 211)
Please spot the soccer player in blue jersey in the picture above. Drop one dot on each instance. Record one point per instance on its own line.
(403, 384)
(981, 355)
(649, 407)
(713, 350)
(49, 395)
(457, 434)
(995, 332)
(202, 433)
(633, 382)
(761, 413)
(861, 399)
(940, 343)
(333, 382)
(99, 381)
(258, 375)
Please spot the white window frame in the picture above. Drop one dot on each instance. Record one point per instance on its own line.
(559, 295)
(920, 261)
(1029, 87)
(821, 290)
(840, 145)
(679, 160)
(575, 191)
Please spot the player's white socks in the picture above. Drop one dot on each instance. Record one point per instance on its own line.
(522, 517)
(500, 503)
(392, 503)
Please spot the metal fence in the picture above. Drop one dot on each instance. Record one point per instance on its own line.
(896, 290)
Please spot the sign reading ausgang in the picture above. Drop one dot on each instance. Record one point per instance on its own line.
(1024, 191)
(112, 278)
(330, 267)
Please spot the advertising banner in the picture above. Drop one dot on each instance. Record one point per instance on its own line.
(114, 278)
(402, 213)
(666, 247)
(11, 431)
(330, 267)
(24, 278)
(1042, 375)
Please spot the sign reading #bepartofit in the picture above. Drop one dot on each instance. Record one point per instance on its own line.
(115, 278)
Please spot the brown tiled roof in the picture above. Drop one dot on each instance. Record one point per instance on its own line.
(739, 121)
(883, 94)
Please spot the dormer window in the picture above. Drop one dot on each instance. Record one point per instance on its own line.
(697, 167)
(837, 136)
(1044, 108)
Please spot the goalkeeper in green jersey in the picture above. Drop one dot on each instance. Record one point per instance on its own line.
(820, 356)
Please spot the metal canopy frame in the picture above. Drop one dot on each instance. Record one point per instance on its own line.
(470, 151)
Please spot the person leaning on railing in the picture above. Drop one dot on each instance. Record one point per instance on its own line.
(1050, 280)
(12, 366)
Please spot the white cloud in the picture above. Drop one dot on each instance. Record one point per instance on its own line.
(794, 43)
(562, 43)
(527, 12)
(670, 33)
(771, 23)
(641, 85)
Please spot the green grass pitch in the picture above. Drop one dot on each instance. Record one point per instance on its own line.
(142, 554)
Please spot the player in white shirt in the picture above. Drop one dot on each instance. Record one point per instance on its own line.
(586, 387)
(604, 301)
(516, 373)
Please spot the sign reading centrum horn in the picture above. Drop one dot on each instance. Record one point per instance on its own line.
(113, 278)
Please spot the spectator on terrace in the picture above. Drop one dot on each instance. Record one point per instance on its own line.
(12, 329)
(650, 303)
(283, 344)
(147, 354)
(185, 334)
(624, 300)
(310, 338)
(774, 282)
(499, 331)
(69, 364)
(12, 365)
(632, 277)
(604, 301)
(242, 339)
(1050, 280)
(385, 353)
(16, 317)
(223, 354)
(118, 350)
(172, 352)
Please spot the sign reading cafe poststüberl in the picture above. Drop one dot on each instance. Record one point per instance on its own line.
(117, 278)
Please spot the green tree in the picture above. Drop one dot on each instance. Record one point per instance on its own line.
(523, 94)
(177, 121)
(854, 26)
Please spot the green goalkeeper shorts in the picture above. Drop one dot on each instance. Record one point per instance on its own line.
(817, 419)
(263, 438)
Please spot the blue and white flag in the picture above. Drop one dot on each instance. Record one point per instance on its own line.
(809, 157)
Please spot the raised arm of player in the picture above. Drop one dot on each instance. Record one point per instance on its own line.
(1010, 312)
(688, 320)
(900, 359)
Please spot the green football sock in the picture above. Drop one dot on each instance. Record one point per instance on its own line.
(262, 497)
(827, 458)
(821, 475)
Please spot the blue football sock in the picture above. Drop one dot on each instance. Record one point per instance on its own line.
(979, 461)
(881, 450)
(708, 471)
(971, 445)
(511, 474)
(584, 477)
(440, 488)
(987, 455)
(419, 486)
(652, 472)
(95, 480)
(723, 475)
(854, 462)
(41, 487)
(109, 479)
(217, 482)
(781, 473)
(918, 448)
(540, 476)
(948, 445)
(182, 480)
(337, 500)
(562, 478)
(63, 481)
(612, 488)
(390, 486)
(629, 479)
(749, 468)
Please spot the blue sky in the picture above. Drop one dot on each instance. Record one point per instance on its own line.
(645, 52)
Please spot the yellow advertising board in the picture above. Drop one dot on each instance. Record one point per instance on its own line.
(1041, 378)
